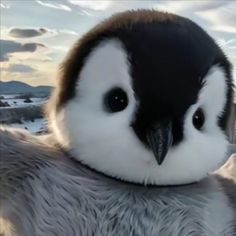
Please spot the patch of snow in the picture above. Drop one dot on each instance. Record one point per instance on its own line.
(37, 126)
(19, 102)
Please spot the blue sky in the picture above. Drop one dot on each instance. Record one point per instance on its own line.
(37, 34)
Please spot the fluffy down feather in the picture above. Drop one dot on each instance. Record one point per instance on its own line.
(43, 192)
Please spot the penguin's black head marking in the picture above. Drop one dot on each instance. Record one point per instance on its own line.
(141, 83)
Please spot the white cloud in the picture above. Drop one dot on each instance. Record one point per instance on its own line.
(21, 68)
(224, 28)
(223, 19)
(4, 5)
(93, 5)
(60, 48)
(181, 6)
(54, 5)
(84, 13)
(70, 32)
(226, 43)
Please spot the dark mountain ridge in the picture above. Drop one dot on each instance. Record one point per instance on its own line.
(17, 87)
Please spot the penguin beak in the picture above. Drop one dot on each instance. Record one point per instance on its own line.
(160, 139)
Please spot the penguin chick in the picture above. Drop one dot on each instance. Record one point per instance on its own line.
(145, 97)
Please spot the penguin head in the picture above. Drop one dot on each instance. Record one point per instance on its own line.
(145, 97)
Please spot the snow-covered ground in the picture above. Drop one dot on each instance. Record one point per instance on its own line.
(15, 101)
(37, 126)
(20, 102)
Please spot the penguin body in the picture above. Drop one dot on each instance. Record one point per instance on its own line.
(142, 105)
(46, 193)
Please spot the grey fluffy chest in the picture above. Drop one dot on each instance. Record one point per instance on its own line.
(56, 202)
(44, 193)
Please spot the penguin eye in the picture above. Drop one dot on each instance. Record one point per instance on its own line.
(116, 100)
(198, 119)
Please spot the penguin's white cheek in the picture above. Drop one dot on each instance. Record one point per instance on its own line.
(97, 136)
(205, 149)
(84, 118)
(202, 152)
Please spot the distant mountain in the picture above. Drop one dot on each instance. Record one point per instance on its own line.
(14, 87)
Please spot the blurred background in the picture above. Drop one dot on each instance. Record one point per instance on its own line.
(37, 34)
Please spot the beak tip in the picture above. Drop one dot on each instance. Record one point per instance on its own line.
(160, 140)
(159, 160)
